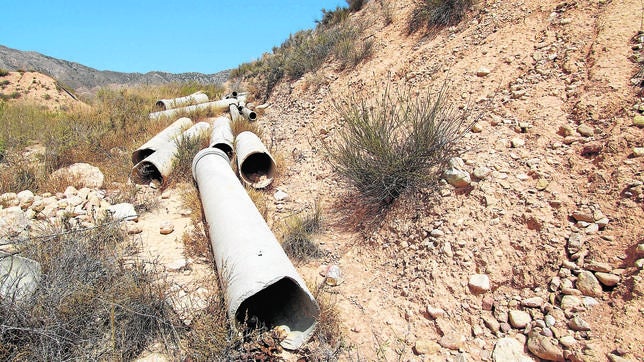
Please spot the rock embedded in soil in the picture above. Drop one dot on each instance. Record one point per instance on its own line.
(592, 148)
(491, 323)
(638, 121)
(452, 340)
(638, 151)
(519, 319)
(509, 349)
(435, 313)
(585, 130)
(426, 347)
(545, 347)
(578, 324)
(534, 302)
(166, 227)
(479, 283)
(588, 284)
(570, 302)
(482, 71)
(517, 142)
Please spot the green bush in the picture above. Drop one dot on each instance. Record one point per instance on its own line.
(394, 143)
(432, 14)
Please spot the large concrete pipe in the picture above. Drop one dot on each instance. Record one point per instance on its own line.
(234, 113)
(194, 98)
(255, 164)
(222, 136)
(249, 114)
(158, 166)
(216, 106)
(160, 139)
(261, 286)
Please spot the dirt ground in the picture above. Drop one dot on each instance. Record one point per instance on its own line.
(550, 86)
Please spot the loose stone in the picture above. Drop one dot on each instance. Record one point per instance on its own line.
(479, 283)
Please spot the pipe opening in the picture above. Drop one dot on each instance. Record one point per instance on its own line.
(140, 155)
(252, 116)
(160, 105)
(281, 303)
(146, 172)
(257, 167)
(224, 147)
(234, 94)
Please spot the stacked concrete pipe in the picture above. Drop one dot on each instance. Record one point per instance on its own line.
(261, 285)
(195, 98)
(255, 164)
(160, 139)
(215, 106)
(158, 166)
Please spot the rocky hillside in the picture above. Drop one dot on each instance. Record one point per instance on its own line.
(533, 252)
(83, 78)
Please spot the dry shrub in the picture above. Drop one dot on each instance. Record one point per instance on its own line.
(395, 142)
(327, 342)
(433, 14)
(95, 300)
(297, 238)
(243, 125)
(259, 199)
(187, 148)
(196, 238)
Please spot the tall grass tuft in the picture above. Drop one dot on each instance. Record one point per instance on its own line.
(432, 14)
(297, 241)
(395, 142)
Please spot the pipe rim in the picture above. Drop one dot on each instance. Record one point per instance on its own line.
(205, 152)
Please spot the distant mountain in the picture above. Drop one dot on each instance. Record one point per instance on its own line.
(85, 79)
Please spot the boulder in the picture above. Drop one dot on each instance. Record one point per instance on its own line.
(81, 175)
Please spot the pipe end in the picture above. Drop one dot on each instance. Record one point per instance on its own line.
(205, 152)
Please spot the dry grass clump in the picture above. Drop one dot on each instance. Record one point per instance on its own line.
(305, 51)
(394, 143)
(432, 14)
(95, 300)
(3, 72)
(297, 238)
(187, 148)
(243, 125)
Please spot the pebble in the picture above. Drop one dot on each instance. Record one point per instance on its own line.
(25, 199)
(549, 320)
(570, 302)
(638, 151)
(491, 323)
(586, 216)
(509, 349)
(517, 142)
(545, 347)
(588, 284)
(452, 340)
(426, 347)
(482, 172)
(479, 283)
(585, 130)
(166, 194)
(133, 228)
(519, 319)
(280, 195)
(607, 279)
(166, 228)
(435, 312)
(592, 148)
(597, 266)
(567, 341)
(534, 302)
(477, 127)
(578, 324)
(482, 72)
(638, 121)
(457, 178)
(639, 251)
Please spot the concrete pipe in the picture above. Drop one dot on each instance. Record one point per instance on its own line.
(161, 138)
(215, 106)
(255, 164)
(249, 114)
(195, 98)
(261, 286)
(221, 136)
(234, 113)
(158, 166)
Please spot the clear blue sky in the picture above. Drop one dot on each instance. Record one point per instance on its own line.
(204, 36)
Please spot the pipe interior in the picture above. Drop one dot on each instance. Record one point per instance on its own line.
(281, 303)
(224, 147)
(160, 105)
(145, 173)
(252, 116)
(140, 155)
(257, 165)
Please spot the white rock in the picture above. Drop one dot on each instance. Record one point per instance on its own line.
(519, 319)
(509, 349)
(81, 175)
(457, 178)
(517, 142)
(280, 195)
(123, 211)
(25, 198)
(479, 283)
(482, 71)
(435, 312)
(166, 227)
(482, 172)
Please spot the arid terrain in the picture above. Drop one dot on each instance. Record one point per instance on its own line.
(537, 254)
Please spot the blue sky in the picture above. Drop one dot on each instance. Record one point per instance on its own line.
(140, 36)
